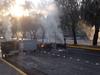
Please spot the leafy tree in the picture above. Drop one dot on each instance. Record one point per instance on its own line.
(70, 15)
(32, 24)
(14, 23)
(90, 12)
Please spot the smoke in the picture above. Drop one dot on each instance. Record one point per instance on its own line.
(51, 23)
(7, 28)
(89, 30)
(93, 31)
(49, 20)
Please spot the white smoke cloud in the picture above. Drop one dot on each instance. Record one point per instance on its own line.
(7, 29)
(49, 20)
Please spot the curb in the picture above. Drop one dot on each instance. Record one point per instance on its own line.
(84, 47)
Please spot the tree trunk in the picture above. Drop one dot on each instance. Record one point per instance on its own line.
(64, 42)
(74, 34)
(95, 38)
(22, 35)
(31, 35)
(17, 36)
(43, 37)
(64, 38)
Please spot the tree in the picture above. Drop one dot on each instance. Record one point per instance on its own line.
(4, 6)
(14, 23)
(31, 24)
(90, 12)
(4, 12)
(70, 8)
(65, 25)
(1, 29)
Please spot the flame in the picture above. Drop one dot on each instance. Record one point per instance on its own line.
(42, 45)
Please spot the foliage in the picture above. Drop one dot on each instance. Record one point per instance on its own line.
(90, 12)
(70, 15)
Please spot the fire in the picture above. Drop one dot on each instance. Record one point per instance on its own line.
(42, 45)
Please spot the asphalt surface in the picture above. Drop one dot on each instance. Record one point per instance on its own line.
(70, 61)
(5, 69)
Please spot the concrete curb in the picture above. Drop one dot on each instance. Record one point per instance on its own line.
(85, 47)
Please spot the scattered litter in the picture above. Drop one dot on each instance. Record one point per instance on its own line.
(97, 64)
(86, 61)
(78, 59)
(64, 56)
(70, 58)
(58, 55)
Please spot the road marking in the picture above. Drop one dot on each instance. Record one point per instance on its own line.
(17, 69)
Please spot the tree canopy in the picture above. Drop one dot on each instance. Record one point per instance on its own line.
(90, 12)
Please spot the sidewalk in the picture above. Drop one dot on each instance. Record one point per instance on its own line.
(6, 69)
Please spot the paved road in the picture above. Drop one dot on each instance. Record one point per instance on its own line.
(7, 70)
(60, 62)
